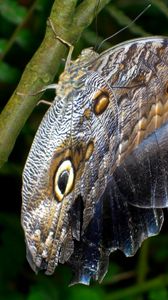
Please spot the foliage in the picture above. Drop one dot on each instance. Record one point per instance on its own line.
(22, 27)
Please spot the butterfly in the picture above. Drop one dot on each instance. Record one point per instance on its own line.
(96, 177)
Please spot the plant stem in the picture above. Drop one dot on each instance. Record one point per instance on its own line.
(12, 39)
(142, 268)
(43, 67)
(139, 288)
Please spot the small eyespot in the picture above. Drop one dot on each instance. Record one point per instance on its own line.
(89, 150)
(101, 101)
(64, 179)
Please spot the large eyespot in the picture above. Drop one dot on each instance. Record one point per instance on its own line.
(64, 179)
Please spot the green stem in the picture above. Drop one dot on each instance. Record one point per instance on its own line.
(143, 262)
(160, 5)
(13, 37)
(86, 11)
(138, 289)
(43, 67)
(124, 21)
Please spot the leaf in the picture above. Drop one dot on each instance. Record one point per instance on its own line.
(12, 242)
(38, 295)
(24, 38)
(12, 11)
(41, 4)
(159, 248)
(45, 289)
(8, 74)
(123, 20)
(3, 44)
(161, 294)
(84, 292)
(113, 270)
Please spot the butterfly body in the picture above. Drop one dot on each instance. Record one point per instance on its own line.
(82, 194)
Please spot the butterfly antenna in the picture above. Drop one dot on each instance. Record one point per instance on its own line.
(129, 25)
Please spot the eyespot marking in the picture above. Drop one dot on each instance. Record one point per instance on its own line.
(87, 113)
(64, 179)
(89, 150)
(101, 101)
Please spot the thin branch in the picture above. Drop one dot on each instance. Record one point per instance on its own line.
(138, 289)
(43, 67)
(13, 37)
(161, 5)
(86, 11)
(124, 21)
(142, 268)
(119, 277)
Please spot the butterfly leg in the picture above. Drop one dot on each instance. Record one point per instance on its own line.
(44, 102)
(69, 45)
(47, 87)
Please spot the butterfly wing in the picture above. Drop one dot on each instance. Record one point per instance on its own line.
(143, 176)
(127, 212)
(115, 225)
(139, 82)
(95, 179)
(129, 209)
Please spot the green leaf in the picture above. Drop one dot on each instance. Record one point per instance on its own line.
(3, 44)
(38, 295)
(45, 289)
(8, 74)
(12, 242)
(24, 38)
(159, 248)
(41, 4)
(12, 11)
(113, 270)
(84, 292)
(161, 294)
(12, 296)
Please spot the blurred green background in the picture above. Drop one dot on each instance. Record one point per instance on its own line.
(145, 276)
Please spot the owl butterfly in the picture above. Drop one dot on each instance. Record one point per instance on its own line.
(96, 178)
